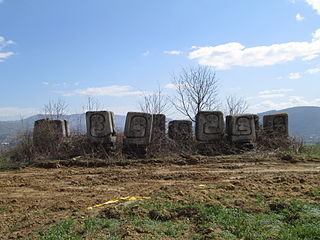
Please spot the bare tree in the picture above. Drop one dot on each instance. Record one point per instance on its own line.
(197, 90)
(93, 104)
(155, 103)
(55, 109)
(236, 105)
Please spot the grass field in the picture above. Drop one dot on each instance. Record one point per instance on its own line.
(160, 218)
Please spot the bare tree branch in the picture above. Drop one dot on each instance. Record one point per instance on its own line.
(93, 104)
(236, 105)
(155, 103)
(196, 90)
(55, 109)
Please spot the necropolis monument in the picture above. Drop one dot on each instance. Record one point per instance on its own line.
(137, 132)
(101, 127)
(276, 123)
(241, 128)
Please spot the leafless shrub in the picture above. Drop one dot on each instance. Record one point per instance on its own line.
(55, 109)
(24, 151)
(275, 141)
(236, 105)
(92, 104)
(155, 103)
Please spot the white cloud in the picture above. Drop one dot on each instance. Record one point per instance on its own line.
(316, 35)
(147, 53)
(299, 18)
(235, 54)
(272, 96)
(310, 57)
(313, 70)
(5, 55)
(15, 113)
(292, 101)
(274, 91)
(170, 86)
(173, 52)
(45, 83)
(299, 75)
(295, 75)
(114, 90)
(315, 5)
(3, 44)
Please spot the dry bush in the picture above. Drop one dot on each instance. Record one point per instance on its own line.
(219, 147)
(77, 145)
(24, 151)
(267, 140)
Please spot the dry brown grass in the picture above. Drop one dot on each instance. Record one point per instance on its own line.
(78, 145)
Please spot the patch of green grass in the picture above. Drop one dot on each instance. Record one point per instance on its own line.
(158, 228)
(312, 151)
(15, 226)
(46, 211)
(61, 231)
(189, 218)
(90, 228)
(5, 165)
(2, 208)
(314, 193)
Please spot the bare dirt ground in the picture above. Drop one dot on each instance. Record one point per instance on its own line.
(32, 198)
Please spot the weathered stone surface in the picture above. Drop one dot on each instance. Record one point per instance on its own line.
(256, 122)
(47, 131)
(180, 130)
(241, 128)
(209, 126)
(101, 127)
(158, 126)
(276, 123)
(138, 128)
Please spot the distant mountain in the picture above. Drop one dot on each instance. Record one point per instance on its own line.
(303, 122)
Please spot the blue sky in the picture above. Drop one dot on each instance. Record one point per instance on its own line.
(115, 50)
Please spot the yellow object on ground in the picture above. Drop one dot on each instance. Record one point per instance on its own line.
(117, 200)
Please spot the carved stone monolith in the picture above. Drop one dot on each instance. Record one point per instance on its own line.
(241, 128)
(276, 123)
(209, 126)
(137, 132)
(101, 127)
(48, 132)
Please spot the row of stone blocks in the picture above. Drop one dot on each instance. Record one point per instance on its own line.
(142, 128)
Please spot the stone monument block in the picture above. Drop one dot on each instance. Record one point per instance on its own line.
(138, 128)
(241, 128)
(276, 123)
(209, 126)
(158, 126)
(101, 127)
(47, 131)
(180, 130)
